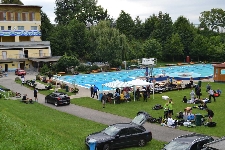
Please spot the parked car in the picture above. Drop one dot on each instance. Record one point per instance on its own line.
(20, 72)
(193, 141)
(57, 98)
(215, 145)
(122, 135)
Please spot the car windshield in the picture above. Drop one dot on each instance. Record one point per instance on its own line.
(177, 145)
(111, 130)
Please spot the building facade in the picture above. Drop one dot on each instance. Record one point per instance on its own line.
(20, 37)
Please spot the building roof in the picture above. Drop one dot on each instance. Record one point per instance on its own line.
(56, 58)
(20, 5)
(219, 65)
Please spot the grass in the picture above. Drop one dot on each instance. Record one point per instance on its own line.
(35, 126)
(130, 109)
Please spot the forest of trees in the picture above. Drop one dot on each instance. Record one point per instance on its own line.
(86, 31)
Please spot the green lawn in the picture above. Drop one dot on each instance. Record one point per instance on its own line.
(35, 127)
(130, 109)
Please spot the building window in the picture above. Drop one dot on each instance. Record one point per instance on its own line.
(9, 28)
(19, 16)
(2, 27)
(20, 27)
(12, 16)
(4, 16)
(32, 16)
(40, 53)
(33, 27)
(26, 16)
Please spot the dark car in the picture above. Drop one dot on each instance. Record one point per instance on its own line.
(57, 98)
(215, 145)
(193, 141)
(122, 135)
(20, 72)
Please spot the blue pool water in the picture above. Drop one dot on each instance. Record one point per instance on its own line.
(178, 72)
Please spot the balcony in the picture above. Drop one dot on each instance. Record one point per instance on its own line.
(4, 58)
(24, 44)
(20, 33)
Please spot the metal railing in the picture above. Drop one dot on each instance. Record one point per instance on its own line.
(25, 44)
(25, 56)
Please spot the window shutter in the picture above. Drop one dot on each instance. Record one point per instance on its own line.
(16, 16)
(30, 16)
(23, 17)
(1, 16)
(8, 16)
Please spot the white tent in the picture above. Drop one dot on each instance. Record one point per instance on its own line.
(139, 82)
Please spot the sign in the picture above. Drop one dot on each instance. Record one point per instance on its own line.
(149, 61)
(20, 33)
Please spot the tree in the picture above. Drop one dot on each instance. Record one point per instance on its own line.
(150, 26)
(60, 43)
(186, 32)
(163, 30)
(125, 24)
(174, 47)
(107, 44)
(85, 11)
(11, 2)
(46, 26)
(199, 47)
(213, 19)
(138, 30)
(65, 62)
(77, 37)
(152, 49)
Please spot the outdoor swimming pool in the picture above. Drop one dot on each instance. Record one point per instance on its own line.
(178, 72)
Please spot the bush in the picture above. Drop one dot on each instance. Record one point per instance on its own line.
(17, 79)
(44, 70)
(38, 77)
(94, 67)
(82, 68)
(62, 85)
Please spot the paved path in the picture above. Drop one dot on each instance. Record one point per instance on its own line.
(159, 132)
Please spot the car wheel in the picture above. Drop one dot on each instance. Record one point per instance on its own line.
(141, 143)
(56, 104)
(106, 147)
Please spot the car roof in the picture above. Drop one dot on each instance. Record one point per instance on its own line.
(59, 93)
(192, 137)
(126, 125)
(217, 144)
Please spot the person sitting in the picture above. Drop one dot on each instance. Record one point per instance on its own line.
(122, 99)
(185, 99)
(18, 95)
(25, 99)
(218, 93)
(187, 110)
(117, 98)
(202, 106)
(171, 122)
(127, 97)
(109, 97)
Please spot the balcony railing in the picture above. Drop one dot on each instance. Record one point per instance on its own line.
(25, 56)
(20, 33)
(25, 44)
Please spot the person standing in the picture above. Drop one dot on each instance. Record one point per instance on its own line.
(170, 106)
(210, 114)
(104, 99)
(166, 110)
(92, 90)
(96, 89)
(211, 94)
(22, 79)
(198, 92)
(35, 95)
